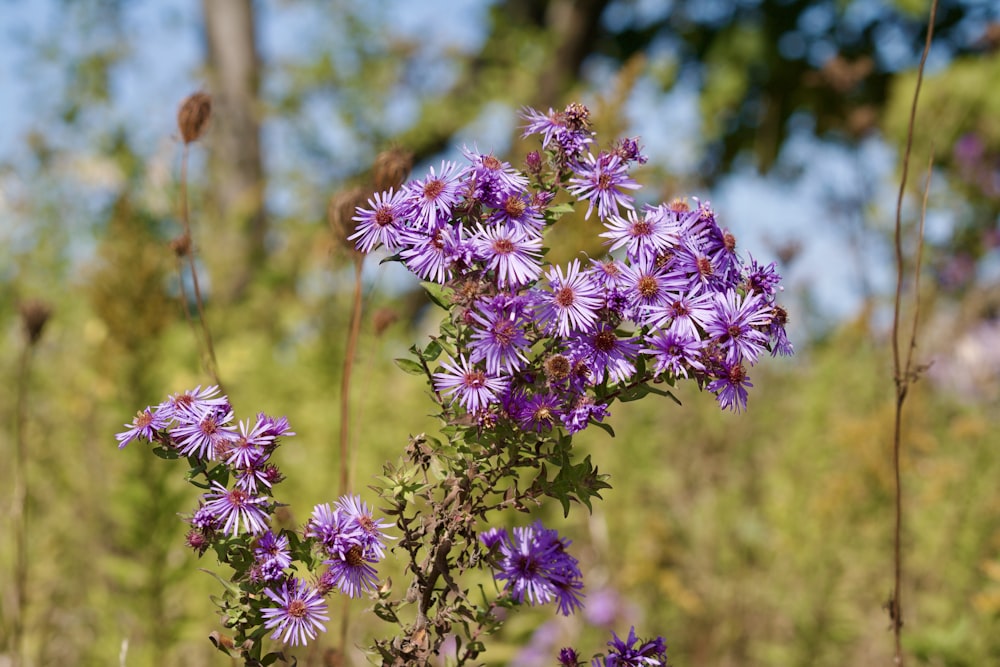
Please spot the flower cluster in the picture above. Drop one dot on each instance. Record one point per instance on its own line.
(536, 566)
(548, 346)
(235, 519)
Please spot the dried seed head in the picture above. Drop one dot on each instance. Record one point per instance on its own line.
(192, 117)
(34, 315)
(341, 210)
(181, 245)
(391, 168)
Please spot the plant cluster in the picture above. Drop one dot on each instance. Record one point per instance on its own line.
(527, 355)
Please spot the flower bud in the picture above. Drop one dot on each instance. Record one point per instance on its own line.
(34, 315)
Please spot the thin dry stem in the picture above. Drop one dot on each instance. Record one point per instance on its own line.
(212, 366)
(904, 375)
(20, 510)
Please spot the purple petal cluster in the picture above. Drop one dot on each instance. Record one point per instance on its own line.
(633, 652)
(351, 541)
(297, 612)
(672, 300)
(536, 567)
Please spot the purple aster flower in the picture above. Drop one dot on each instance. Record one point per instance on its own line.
(628, 149)
(372, 535)
(578, 416)
(643, 237)
(273, 550)
(702, 274)
(512, 255)
(645, 286)
(144, 426)
(607, 273)
(572, 302)
(233, 507)
(297, 614)
(382, 222)
(605, 353)
(776, 330)
(248, 448)
(730, 386)
(275, 426)
(333, 528)
(193, 402)
(762, 279)
(498, 338)
(633, 652)
(674, 351)
(537, 568)
(538, 412)
(204, 520)
(567, 130)
(472, 387)
(436, 255)
(603, 181)
(518, 211)
(720, 247)
(735, 325)
(494, 176)
(683, 312)
(351, 572)
(259, 473)
(204, 434)
(434, 197)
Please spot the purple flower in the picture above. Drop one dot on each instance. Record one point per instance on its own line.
(735, 325)
(518, 211)
(383, 222)
(512, 255)
(682, 312)
(350, 572)
(762, 279)
(144, 426)
(644, 237)
(646, 285)
(272, 551)
(493, 537)
(603, 181)
(498, 338)
(472, 387)
(568, 657)
(566, 129)
(572, 302)
(248, 449)
(333, 528)
(206, 433)
(434, 196)
(437, 254)
(537, 568)
(633, 652)
(298, 612)
(235, 506)
(193, 402)
(538, 412)
(730, 386)
(674, 351)
(371, 534)
(607, 355)
(578, 416)
(495, 177)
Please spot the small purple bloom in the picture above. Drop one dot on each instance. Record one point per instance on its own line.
(603, 181)
(471, 387)
(498, 338)
(512, 255)
(248, 449)
(537, 568)
(605, 353)
(298, 612)
(538, 412)
(578, 417)
(382, 222)
(233, 507)
(674, 351)
(736, 324)
(351, 572)
(372, 535)
(334, 529)
(206, 433)
(572, 301)
(144, 426)
(493, 537)
(193, 402)
(642, 237)
(434, 197)
(272, 551)
(730, 386)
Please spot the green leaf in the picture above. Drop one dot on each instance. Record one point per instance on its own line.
(435, 293)
(409, 366)
(432, 351)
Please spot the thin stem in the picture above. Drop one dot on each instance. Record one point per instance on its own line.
(213, 365)
(903, 375)
(20, 518)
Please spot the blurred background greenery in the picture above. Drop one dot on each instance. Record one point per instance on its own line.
(755, 539)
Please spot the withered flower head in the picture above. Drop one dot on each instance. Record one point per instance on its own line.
(391, 168)
(181, 245)
(340, 211)
(192, 117)
(34, 315)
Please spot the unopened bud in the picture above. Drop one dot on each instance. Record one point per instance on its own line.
(391, 168)
(192, 118)
(34, 315)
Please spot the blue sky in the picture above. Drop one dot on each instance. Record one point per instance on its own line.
(162, 66)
